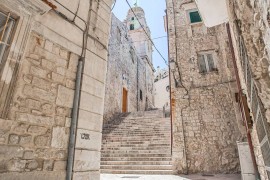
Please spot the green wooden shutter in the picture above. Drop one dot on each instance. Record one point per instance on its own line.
(195, 17)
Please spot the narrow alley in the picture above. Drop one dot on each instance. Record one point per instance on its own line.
(134, 89)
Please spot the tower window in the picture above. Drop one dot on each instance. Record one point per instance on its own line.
(194, 16)
(141, 96)
(131, 26)
(132, 18)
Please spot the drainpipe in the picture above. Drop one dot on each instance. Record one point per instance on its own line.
(244, 115)
(76, 100)
(169, 80)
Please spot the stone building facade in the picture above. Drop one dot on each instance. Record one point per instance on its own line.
(129, 83)
(40, 52)
(162, 89)
(205, 117)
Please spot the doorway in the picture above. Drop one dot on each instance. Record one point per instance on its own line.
(125, 101)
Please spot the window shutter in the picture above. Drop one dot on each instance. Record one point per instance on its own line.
(201, 63)
(211, 63)
(195, 17)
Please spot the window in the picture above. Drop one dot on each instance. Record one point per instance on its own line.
(206, 62)
(132, 54)
(131, 26)
(141, 96)
(132, 18)
(194, 16)
(6, 28)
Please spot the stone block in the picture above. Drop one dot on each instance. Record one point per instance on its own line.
(36, 71)
(41, 83)
(47, 109)
(28, 155)
(32, 165)
(26, 139)
(65, 97)
(47, 64)
(21, 128)
(91, 103)
(48, 165)
(68, 122)
(56, 49)
(93, 175)
(16, 165)
(70, 84)
(33, 119)
(61, 71)
(6, 124)
(32, 104)
(37, 129)
(86, 139)
(60, 136)
(58, 78)
(73, 62)
(60, 165)
(13, 139)
(48, 46)
(61, 62)
(86, 160)
(33, 56)
(93, 86)
(90, 121)
(35, 92)
(95, 67)
(64, 54)
(60, 120)
(42, 140)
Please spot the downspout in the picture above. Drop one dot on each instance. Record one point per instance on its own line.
(257, 175)
(76, 100)
(169, 81)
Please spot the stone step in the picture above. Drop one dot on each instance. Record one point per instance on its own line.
(135, 151)
(136, 145)
(136, 159)
(156, 172)
(136, 163)
(137, 167)
(134, 140)
(136, 155)
(137, 148)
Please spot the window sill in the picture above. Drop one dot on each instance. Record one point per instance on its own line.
(209, 72)
(196, 24)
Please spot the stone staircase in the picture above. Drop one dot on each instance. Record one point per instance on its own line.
(137, 143)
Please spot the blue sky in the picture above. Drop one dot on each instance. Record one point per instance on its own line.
(154, 12)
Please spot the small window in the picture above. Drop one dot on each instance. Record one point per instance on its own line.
(131, 26)
(141, 96)
(6, 30)
(132, 54)
(206, 62)
(132, 18)
(194, 16)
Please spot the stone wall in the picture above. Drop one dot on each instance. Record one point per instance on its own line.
(126, 69)
(249, 21)
(35, 131)
(206, 123)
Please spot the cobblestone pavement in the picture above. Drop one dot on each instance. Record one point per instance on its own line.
(168, 177)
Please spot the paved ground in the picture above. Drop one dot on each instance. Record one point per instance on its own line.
(167, 177)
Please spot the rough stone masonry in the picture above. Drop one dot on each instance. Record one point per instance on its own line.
(37, 83)
(206, 123)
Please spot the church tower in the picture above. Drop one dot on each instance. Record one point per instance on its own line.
(137, 26)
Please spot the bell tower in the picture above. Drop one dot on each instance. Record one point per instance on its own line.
(139, 32)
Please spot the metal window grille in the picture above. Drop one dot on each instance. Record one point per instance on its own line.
(7, 24)
(262, 126)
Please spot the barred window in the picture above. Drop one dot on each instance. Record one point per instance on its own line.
(7, 24)
(206, 62)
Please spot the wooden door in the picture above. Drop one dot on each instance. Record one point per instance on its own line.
(125, 101)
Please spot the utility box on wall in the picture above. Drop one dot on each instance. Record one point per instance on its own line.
(247, 169)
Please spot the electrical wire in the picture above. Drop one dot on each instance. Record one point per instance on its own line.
(113, 5)
(147, 34)
(141, 40)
